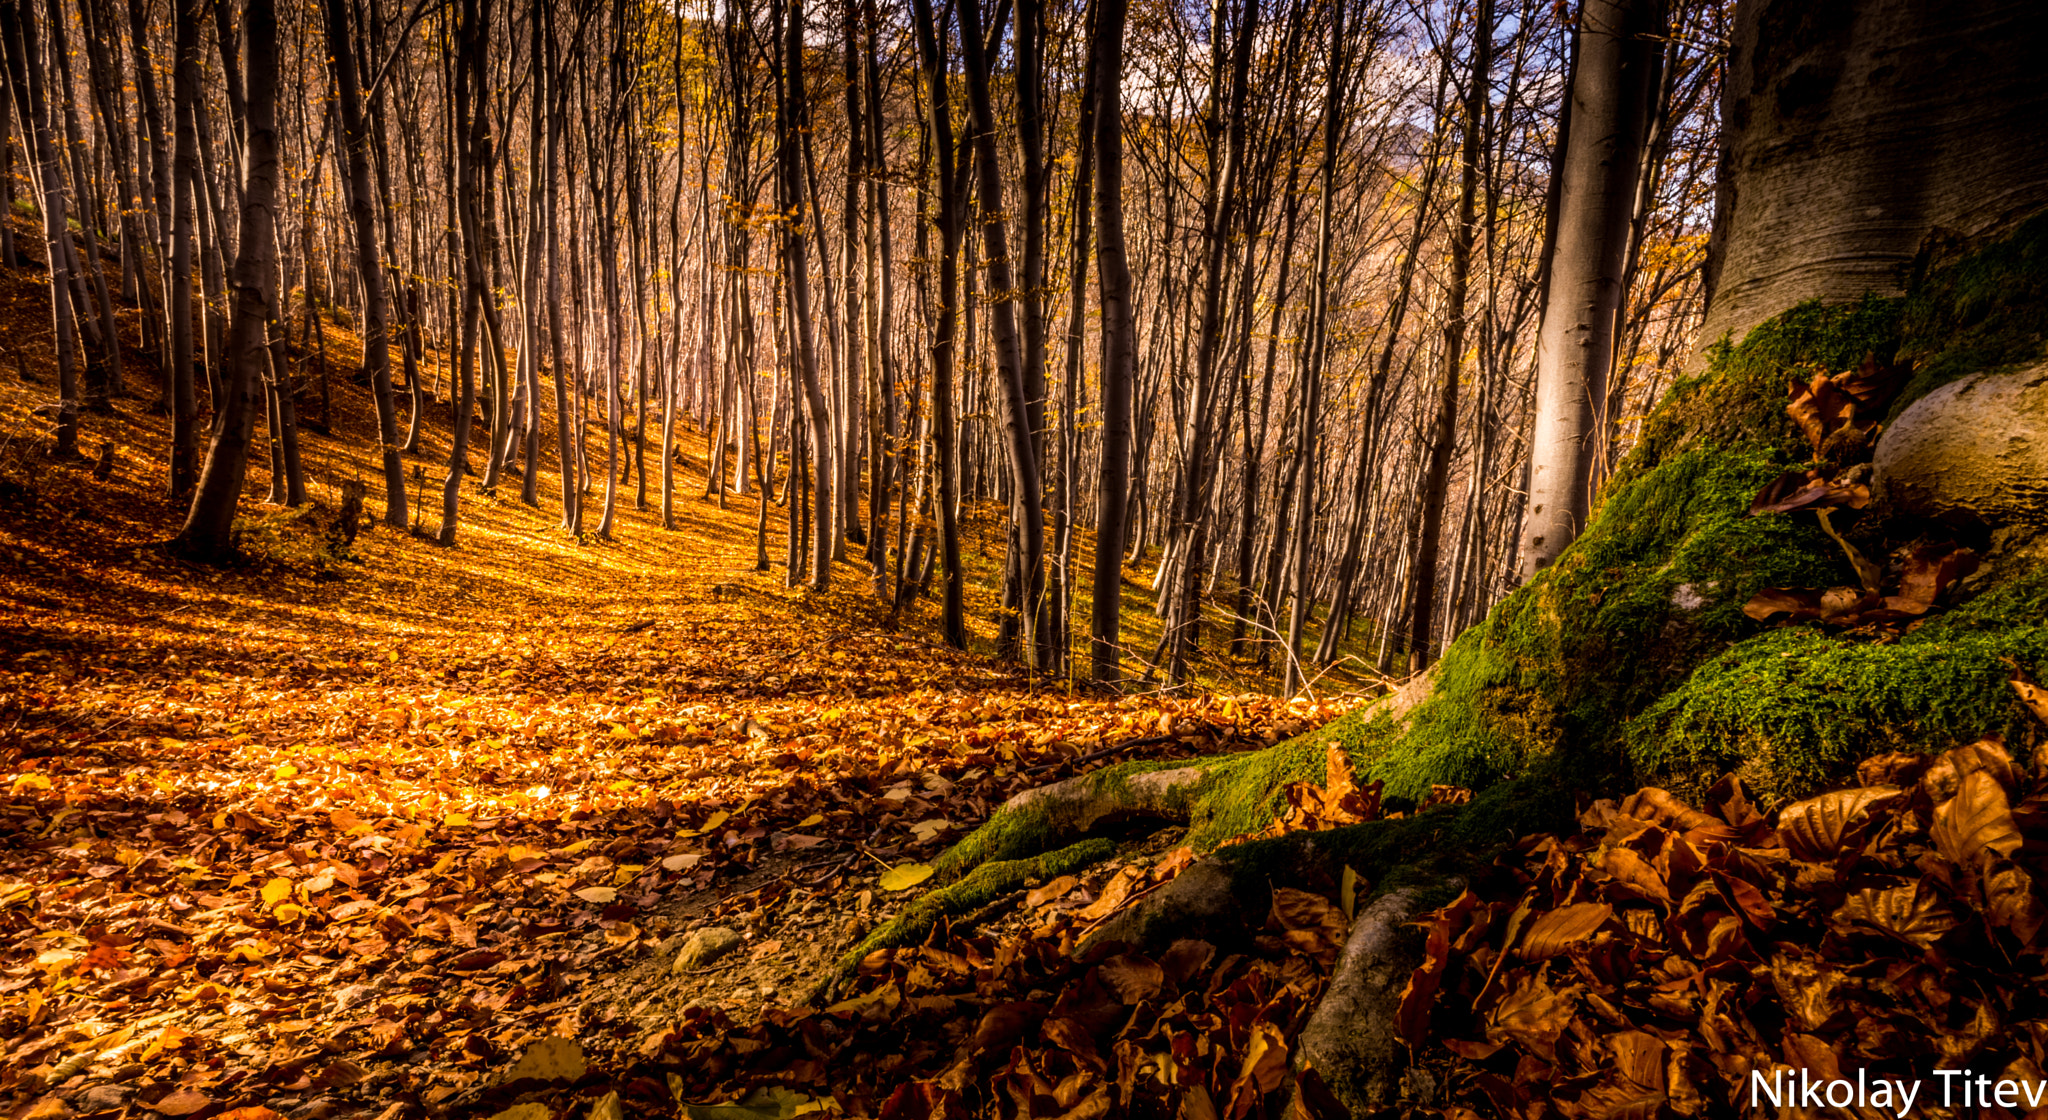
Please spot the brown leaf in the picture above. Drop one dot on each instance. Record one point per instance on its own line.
(1057, 889)
(1113, 895)
(1636, 876)
(1263, 1068)
(1532, 1014)
(2033, 697)
(184, 1102)
(1898, 768)
(1133, 978)
(1653, 804)
(1800, 603)
(1913, 914)
(1873, 383)
(1976, 824)
(1815, 828)
(1412, 1014)
(1074, 1038)
(1929, 572)
(1944, 776)
(1185, 957)
(1797, 490)
(1559, 930)
(1004, 1024)
(2010, 901)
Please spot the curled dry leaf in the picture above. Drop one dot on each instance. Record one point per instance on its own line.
(1815, 828)
(1798, 490)
(1560, 930)
(1057, 889)
(1658, 806)
(1976, 825)
(1914, 914)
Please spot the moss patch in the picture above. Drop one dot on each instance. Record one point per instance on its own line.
(988, 881)
(1793, 709)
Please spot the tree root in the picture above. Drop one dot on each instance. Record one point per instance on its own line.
(1352, 1041)
(988, 881)
(1217, 798)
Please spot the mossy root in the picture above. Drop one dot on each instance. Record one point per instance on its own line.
(987, 882)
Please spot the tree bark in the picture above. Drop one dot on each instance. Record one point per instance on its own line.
(1613, 84)
(1119, 339)
(207, 531)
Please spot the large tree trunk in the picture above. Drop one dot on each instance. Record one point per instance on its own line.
(1856, 128)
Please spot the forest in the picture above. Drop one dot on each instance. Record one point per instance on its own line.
(1281, 558)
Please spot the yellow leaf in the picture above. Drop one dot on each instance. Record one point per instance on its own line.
(518, 852)
(276, 891)
(576, 847)
(31, 780)
(456, 820)
(170, 1038)
(626, 873)
(290, 911)
(814, 818)
(285, 770)
(906, 876)
(598, 894)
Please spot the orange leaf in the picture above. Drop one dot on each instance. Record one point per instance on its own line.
(1556, 932)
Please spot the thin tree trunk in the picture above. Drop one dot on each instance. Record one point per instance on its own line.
(206, 533)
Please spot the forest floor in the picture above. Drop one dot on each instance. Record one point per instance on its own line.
(348, 828)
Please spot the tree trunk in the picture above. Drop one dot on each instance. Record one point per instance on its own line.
(1613, 84)
(369, 265)
(1443, 442)
(207, 531)
(1119, 338)
(18, 24)
(1857, 128)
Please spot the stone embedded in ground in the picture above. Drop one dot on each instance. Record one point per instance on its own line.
(1974, 451)
(705, 946)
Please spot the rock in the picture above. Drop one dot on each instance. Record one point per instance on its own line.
(1973, 452)
(105, 1098)
(705, 946)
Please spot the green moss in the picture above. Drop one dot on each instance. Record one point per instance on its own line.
(1794, 709)
(1739, 398)
(988, 882)
(1978, 312)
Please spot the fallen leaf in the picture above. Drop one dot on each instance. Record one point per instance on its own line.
(905, 876)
